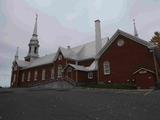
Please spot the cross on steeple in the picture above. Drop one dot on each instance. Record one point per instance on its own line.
(135, 30)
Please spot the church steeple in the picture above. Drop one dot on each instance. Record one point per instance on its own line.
(135, 30)
(34, 44)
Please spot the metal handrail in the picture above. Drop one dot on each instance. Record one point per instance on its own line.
(71, 81)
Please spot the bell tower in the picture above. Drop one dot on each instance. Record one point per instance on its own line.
(33, 52)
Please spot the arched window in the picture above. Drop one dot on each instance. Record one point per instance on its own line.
(23, 75)
(35, 75)
(52, 73)
(59, 71)
(43, 74)
(106, 68)
(29, 76)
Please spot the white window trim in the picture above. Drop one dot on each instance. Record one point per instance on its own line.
(60, 71)
(29, 76)
(35, 75)
(23, 75)
(43, 74)
(52, 73)
(90, 75)
(106, 68)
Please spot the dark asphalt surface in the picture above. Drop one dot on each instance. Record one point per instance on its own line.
(78, 104)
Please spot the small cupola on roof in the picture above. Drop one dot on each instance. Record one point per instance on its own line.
(98, 35)
(33, 52)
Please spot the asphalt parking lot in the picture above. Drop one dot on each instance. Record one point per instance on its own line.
(79, 104)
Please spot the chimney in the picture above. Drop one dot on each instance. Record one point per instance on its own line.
(98, 35)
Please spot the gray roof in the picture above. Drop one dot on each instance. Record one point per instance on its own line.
(22, 63)
(67, 53)
(78, 67)
(41, 61)
(92, 67)
(81, 52)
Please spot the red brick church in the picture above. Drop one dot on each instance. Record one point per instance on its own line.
(124, 58)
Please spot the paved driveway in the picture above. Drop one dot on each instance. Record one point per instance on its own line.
(78, 104)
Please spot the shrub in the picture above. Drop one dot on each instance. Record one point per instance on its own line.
(111, 86)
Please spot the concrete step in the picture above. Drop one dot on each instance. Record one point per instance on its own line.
(56, 85)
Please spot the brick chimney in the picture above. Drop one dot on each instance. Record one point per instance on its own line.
(98, 35)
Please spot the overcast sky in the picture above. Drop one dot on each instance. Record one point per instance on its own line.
(68, 22)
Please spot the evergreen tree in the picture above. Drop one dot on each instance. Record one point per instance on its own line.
(156, 38)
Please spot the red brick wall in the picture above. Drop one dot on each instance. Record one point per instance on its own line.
(39, 69)
(15, 72)
(145, 81)
(47, 67)
(124, 60)
(83, 77)
(62, 62)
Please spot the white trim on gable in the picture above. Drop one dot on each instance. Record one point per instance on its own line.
(143, 69)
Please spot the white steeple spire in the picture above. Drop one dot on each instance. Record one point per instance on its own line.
(35, 26)
(16, 55)
(135, 30)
